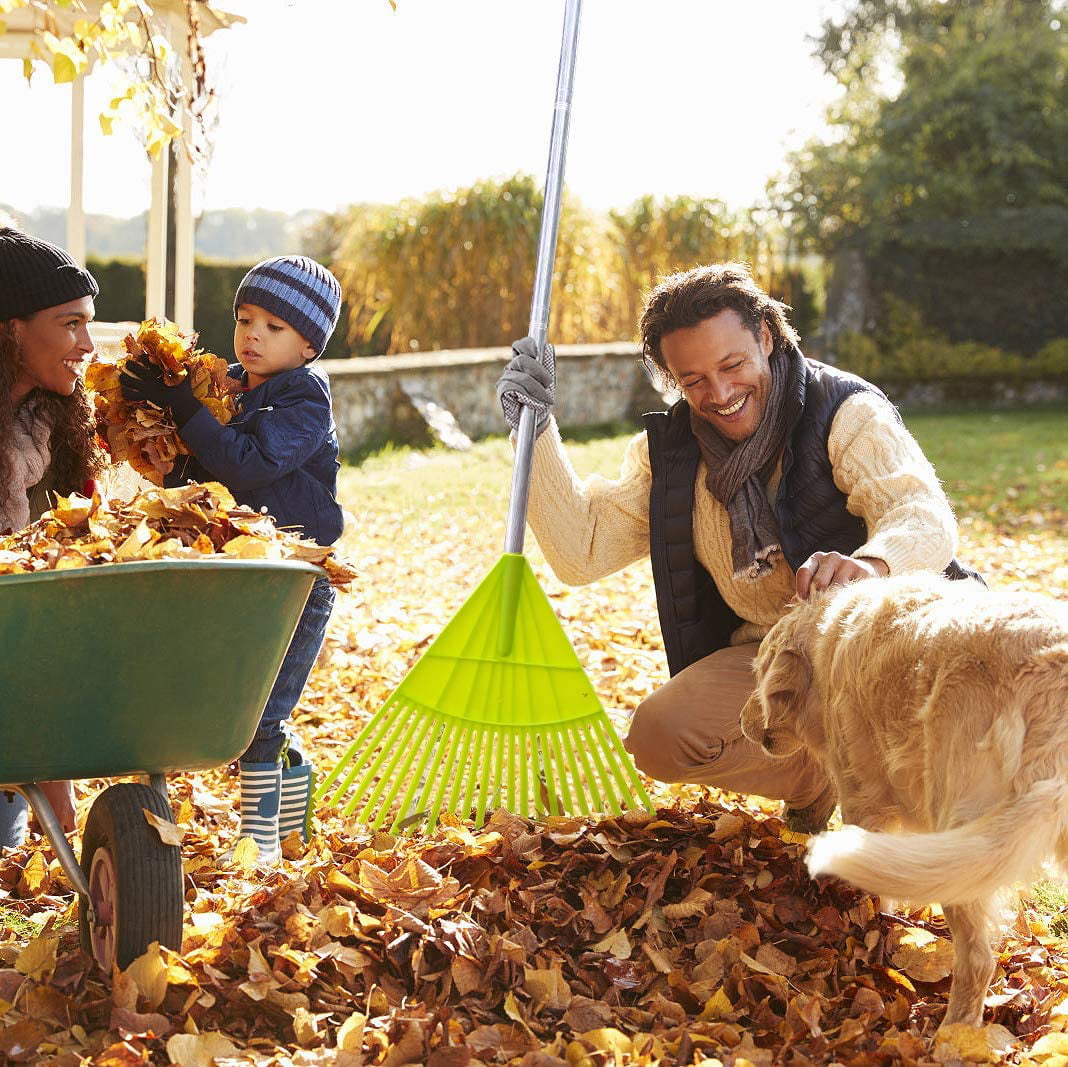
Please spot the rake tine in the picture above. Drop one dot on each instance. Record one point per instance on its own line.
(434, 774)
(625, 775)
(478, 741)
(388, 743)
(356, 746)
(604, 778)
(552, 785)
(451, 756)
(510, 781)
(403, 753)
(552, 742)
(378, 722)
(463, 769)
(384, 723)
(590, 777)
(484, 783)
(566, 742)
(417, 778)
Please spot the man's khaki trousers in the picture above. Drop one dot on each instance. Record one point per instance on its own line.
(689, 731)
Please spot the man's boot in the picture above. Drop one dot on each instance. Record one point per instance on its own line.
(261, 790)
(295, 810)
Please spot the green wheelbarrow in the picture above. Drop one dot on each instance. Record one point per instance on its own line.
(136, 669)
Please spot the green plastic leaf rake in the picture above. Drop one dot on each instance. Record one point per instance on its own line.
(498, 711)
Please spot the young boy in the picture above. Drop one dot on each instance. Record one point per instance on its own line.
(279, 452)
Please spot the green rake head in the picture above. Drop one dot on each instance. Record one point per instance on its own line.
(497, 712)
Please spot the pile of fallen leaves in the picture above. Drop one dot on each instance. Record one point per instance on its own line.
(691, 936)
(694, 936)
(195, 521)
(138, 431)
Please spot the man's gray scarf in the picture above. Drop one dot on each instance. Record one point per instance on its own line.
(738, 472)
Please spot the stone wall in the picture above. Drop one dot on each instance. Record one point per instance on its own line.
(412, 399)
(379, 398)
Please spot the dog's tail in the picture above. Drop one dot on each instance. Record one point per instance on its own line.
(969, 862)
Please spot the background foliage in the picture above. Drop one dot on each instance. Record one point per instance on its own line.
(947, 164)
(455, 269)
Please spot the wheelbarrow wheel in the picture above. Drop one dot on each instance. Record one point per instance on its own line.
(135, 880)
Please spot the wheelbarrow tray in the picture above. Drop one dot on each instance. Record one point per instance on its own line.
(141, 667)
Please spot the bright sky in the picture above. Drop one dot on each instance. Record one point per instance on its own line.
(327, 102)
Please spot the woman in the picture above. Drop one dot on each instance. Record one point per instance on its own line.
(47, 438)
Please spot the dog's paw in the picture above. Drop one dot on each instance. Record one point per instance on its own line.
(825, 849)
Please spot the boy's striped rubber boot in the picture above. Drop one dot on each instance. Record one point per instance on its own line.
(261, 791)
(295, 810)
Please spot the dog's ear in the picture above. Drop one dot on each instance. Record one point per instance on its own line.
(773, 715)
(785, 687)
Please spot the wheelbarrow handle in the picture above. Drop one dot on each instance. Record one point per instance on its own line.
(42, 809)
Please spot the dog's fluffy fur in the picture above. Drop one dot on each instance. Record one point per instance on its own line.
(940, 711)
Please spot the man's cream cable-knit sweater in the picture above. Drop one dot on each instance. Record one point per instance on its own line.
(590, 528)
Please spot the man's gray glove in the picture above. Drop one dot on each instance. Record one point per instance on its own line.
(528, 382)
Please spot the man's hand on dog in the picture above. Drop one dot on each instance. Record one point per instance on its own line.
(823, 569)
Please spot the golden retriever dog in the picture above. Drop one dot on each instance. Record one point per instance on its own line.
(940, 711)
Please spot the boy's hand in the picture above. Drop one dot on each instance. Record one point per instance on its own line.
(144, 381)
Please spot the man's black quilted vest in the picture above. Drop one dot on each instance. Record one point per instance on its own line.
(810, 508)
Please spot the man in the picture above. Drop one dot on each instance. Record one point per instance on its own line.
(774, 475)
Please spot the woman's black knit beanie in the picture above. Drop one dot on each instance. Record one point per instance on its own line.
(35, 275)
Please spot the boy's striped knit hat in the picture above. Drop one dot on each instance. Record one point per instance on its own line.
(297, 290)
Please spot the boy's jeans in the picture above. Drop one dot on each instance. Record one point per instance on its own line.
(273, 732)
(14, 814)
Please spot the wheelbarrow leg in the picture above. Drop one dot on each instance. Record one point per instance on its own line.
(58, 840)
(159, 783)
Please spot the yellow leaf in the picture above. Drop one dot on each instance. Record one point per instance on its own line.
(35, 872)
(38, 959)
(246, 855)
(609, 1039)
(200, 1050)
(616, 944)
(350, 1033)
(548, 988)
(959, 1042)
(922, 956)
(718, 1007)
(169, 834)
(149, 974)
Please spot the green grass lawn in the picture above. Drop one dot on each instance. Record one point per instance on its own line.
(1005, 467)
(1010, 467)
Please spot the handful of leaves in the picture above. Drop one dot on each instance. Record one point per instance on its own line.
(193, 522)
(138, 431)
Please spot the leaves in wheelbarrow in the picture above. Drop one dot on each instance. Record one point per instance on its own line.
(137, 431)
(191, 522)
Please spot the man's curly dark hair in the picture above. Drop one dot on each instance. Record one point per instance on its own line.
(688, 298)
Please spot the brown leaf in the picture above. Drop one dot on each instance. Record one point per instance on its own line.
(19, 1041)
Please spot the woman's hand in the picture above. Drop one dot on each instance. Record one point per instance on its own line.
(823, 569)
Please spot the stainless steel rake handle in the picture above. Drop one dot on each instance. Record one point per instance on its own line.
(543, 272)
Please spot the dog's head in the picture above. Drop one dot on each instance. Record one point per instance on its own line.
(780, 715)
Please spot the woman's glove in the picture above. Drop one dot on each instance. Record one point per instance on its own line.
(528, 382)
(144, 381)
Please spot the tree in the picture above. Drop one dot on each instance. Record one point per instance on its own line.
(963, 165)
(69, 35)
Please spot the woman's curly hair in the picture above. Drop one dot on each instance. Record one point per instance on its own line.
(76, 456)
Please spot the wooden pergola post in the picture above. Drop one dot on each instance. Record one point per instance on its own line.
(171, 18)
